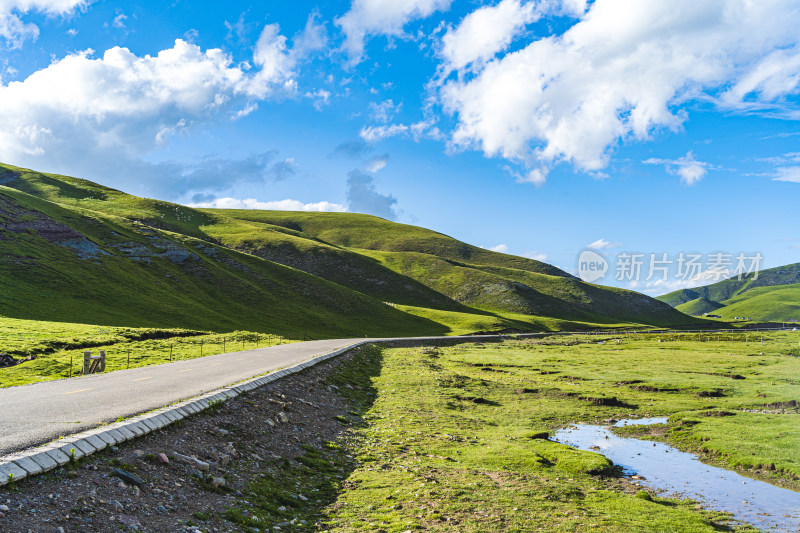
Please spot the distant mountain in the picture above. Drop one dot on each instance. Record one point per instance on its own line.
(73, 250)
(774, 295)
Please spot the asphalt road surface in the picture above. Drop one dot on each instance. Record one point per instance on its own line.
(35, 414)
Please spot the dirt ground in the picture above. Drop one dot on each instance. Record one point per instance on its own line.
(220, 451)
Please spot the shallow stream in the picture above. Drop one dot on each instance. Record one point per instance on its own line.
(681, 475)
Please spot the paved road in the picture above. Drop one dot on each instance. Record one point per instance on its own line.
(38, 413)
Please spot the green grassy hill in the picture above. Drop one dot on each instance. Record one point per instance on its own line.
(76, 251)
(774, 296)
(698, 306)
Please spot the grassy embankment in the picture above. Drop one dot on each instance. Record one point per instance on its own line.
(450, 439)
(55, 344)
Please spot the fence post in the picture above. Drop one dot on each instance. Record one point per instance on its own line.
(129, 357)
(70, 365)
(87, 362)
(201, 347)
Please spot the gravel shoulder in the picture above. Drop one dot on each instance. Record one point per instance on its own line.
(212, 457)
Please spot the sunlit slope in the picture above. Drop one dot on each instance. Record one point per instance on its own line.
(67, 264)
(154, 263)
(773, 295)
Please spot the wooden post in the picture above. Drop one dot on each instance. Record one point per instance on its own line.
(70, 365)
(223, 343)
(170, 352)
(201, 347)
(129, 358)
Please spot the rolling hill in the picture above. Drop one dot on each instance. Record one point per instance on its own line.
(77, 251)
(773, 296)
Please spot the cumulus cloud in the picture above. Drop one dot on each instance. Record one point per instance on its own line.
(15, 31)
(382, 17)
(687, 167)
(621, 73)
(279, 205)
(362, 197)
(603, 244)
(485, 32)
(88, 115)
(501, 248)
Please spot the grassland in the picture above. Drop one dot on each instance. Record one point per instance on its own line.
(454, 439)
(59, 347)
(76, 251)
(772, 296)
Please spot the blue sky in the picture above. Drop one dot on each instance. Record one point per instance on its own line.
(538, 128)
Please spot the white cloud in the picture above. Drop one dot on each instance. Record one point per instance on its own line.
(501, 248)
(622, 73)
(485, 32)
(377, 164)
(603, 244)
(314, 37)
(15, 31)
(382, 17)
(373, 134)
(279, 205)
(791, 174)
(384, 111)
(320, 98)
(537, 256)
(119, 21)
(120, 105)
(687, 167)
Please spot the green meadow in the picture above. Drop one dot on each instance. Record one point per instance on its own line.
(455, 438)
(58, 347)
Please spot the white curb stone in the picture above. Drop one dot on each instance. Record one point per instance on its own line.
(40, 459)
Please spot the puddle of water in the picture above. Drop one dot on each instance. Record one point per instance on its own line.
(681, 475)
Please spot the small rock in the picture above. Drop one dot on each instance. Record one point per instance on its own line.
(130, 521)
(163, 459)
(138, 454)
(224, 459)
(4, 508)
(127, 477)
(217, 482)
(116, 505)
(230, 450)
(302, 498)
(283, 417)
(222, 431)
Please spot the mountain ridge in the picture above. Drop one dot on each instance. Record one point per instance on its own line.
(297, 273)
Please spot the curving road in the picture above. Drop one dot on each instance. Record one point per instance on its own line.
(34, 414)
